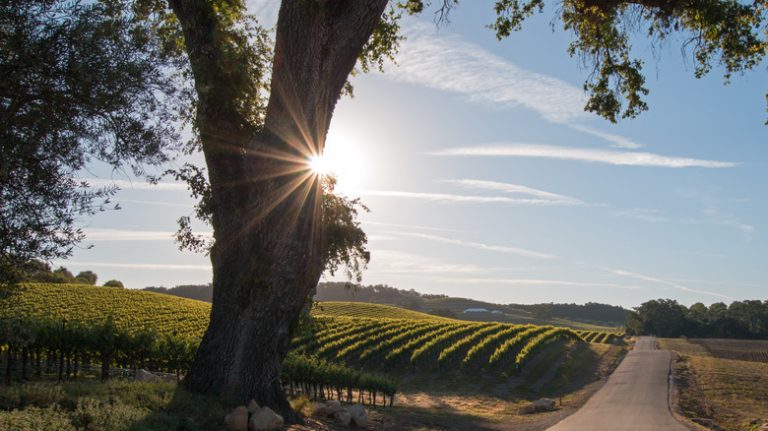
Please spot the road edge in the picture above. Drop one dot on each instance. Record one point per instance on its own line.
(673, 398)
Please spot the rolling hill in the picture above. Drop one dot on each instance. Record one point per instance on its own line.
(370, 336)
(590, 316)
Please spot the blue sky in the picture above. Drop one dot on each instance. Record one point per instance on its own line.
(486, 179)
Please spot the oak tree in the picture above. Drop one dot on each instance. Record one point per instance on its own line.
(261, 109)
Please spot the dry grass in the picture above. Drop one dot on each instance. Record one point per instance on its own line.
(732, 393)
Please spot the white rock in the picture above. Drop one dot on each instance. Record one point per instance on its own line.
(343, 417)
(540, 405)
(237, 420)
(143, 375)
(265, 419)
(253, 406)
(545, 404)
(359, 415)
(333, 406)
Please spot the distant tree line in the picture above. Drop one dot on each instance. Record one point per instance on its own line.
(668, 318)
(411, 299)
(378, 294)
(589, 312)
(36, 271)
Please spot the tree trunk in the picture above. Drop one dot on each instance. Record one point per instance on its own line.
(267, 216)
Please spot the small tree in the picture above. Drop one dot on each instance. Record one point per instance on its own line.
(114, 283)
(87, 277)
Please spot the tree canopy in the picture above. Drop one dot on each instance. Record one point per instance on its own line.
(667, 318)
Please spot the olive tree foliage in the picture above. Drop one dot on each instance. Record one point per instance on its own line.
(82, 81)
(110, 81)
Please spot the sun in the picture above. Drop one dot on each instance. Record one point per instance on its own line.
(343, 161)
(319, 165)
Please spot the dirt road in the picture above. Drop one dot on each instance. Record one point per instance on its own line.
(635, 398)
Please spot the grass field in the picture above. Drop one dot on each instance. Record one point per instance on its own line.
(730, 393)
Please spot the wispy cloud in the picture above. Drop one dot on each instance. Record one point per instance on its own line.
(715, 216)
(708, 216)
(532, 282)
(663, 282)
(617, 140)
(626, 158)
(411, 226)
(480, 246)
(135, 185)
(152, 266)
(158, 203)
(445, 61)
(400, 262)
(130, 235)
(455, 198)
(515, 189)
(648, 215)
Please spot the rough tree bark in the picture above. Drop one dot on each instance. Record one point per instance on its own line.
(267, 212)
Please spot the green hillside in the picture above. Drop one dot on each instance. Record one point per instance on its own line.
(371, 336)
(400, 344)
(133, 309)
(363, 309)
(130, 309)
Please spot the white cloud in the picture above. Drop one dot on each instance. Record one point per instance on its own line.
(663, 282)
(625, 158)
(480, 246)
(399, 262)
(515, 189)
(710, 216)
(135, 185)
(444, 61)
(131, 235)
(618, 140)
(454, 198)
(151, 266)
(649, 215)
(411, 226)
(531, 282)
(158, 203)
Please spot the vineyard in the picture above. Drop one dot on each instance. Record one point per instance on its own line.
(600, 337)
(364, 309)
(742, 350)
(63, 329)
(400, 344)
(69, 330)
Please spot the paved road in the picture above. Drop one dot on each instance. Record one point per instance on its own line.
(635, 398)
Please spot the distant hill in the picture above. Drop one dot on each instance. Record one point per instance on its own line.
(587, 316)
(470, 309)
